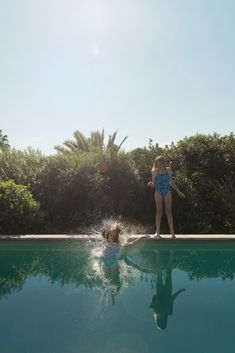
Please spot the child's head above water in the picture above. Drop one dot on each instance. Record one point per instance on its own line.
(112, 233)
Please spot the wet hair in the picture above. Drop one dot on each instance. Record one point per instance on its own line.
(112, 231)
(158, 159)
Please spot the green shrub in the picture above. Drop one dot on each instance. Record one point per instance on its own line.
(80, 186)
(19, 212)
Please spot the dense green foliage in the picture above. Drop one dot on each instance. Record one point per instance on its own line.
(18, 209)
(87, 180)
(204, 169)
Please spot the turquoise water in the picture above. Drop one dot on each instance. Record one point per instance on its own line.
(63, 297)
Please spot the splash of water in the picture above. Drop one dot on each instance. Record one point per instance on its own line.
(126, 227)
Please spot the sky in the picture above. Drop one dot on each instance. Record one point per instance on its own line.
(159, 69)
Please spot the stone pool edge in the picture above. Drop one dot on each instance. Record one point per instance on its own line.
(87, 237)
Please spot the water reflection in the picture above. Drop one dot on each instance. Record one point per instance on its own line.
(106, 263)
(163, 300)
(160, 264)
(112, 269)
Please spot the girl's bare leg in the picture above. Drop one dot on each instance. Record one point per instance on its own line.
(158, 201)
(168, 206)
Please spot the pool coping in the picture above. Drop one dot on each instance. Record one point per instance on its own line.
(92, 237)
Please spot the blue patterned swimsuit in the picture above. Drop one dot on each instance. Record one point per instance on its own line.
(111, 254)
(162, 183)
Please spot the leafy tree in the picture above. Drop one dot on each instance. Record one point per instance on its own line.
(201, 163)
(88, 180)
(19, 212)
(203, 167)
(79, 190)
(22, 166)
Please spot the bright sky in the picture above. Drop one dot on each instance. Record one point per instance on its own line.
(160, 69)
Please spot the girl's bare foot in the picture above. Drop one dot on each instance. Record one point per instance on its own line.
(173, 236)
(157, 235)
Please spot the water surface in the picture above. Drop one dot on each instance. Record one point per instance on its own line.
(65, 297)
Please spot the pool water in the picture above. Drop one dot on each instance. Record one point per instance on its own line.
(64, 297)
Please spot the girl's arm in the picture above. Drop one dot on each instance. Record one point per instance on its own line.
(151, 183)
(137, 240)
(181, 290)
(174, 186)
(154, 173)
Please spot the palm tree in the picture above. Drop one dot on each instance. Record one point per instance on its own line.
(3, 141)
(94, 143)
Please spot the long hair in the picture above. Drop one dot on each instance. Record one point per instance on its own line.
(158, 159)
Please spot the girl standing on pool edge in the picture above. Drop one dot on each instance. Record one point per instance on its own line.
(162, 182)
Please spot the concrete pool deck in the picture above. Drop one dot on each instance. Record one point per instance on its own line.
(146, 237)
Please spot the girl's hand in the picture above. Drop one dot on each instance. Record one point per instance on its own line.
(150, 183)
(181, 194)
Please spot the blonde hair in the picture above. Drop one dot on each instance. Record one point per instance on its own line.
(158, 159)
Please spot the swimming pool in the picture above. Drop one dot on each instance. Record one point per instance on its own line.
(62, 297)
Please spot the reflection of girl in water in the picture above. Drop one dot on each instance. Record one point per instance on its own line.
(162, 301)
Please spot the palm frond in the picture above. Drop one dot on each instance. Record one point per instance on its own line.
(81, 141)
(120, 145)
(61, 149)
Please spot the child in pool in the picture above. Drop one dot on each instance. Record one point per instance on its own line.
(110, 254)
(112, 247)
(162, 182)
